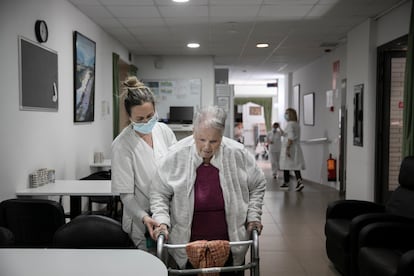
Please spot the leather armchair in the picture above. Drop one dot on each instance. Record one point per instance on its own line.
(110, 201)
(32, 221)
(346, 218)
(92, 231)
(386, 249)
(6, 237)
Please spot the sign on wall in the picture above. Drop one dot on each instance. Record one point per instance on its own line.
(175, 93)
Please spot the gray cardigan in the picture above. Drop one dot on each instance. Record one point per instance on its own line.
(172, 199)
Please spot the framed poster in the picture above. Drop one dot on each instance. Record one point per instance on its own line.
(309, 109)
(358, 114)
(84, 51)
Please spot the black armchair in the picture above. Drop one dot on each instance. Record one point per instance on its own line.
(6, 237)
(92, 231)
(110, 201)
(386, 249)
(346, 218)
(32, 221)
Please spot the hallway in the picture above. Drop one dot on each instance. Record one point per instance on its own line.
(293, 242)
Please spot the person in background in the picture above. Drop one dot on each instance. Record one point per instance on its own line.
(274, 141)
(291, 156)
(208, 187)
(238, 132)
(135, 153)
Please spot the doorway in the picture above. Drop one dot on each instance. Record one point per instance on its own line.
(121, 70)
(391, 59)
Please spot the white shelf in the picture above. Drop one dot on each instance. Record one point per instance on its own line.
(104, 164)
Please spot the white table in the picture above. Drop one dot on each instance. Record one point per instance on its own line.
(77, 262)
(73, 188)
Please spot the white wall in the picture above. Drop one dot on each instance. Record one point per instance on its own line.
(35, 139)
(357, 65)
(362, 45)
(180, 67)
(362, 68)
(317, 78)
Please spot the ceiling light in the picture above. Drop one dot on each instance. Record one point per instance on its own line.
(193, 45)
(181, 1)
(262, 45)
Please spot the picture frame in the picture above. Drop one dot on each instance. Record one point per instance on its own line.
(255, 110)
(309, 109)
(84, 58)
(296, 99)
(38, 89)
(358, 115)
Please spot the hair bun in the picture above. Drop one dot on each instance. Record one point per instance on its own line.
(133, 82)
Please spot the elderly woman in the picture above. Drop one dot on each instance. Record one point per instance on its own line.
(208, 187)
(135, 152)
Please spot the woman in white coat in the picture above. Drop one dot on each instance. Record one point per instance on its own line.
(291, 156)
(135, 153)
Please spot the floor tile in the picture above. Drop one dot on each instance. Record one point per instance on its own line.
(293, 241)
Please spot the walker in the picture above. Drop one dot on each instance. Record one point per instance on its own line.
(262, 147)
(253, 265)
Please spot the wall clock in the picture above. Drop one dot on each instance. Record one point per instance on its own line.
(41, 31)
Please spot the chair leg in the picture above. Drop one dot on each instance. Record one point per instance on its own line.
(89, 205)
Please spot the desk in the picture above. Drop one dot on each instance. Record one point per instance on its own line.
(72, 262)
(73, 188)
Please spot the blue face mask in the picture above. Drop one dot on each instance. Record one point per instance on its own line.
(287, 117)
(147, 127)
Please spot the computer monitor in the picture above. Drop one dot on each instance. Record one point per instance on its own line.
(181, 114)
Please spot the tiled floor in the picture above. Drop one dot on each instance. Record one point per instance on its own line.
(293, 242)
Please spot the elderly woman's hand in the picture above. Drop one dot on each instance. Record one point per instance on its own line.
(254, 225)
(162, 228)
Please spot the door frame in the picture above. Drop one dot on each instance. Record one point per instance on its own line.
(393, 49)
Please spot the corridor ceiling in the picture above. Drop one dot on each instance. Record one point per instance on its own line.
(298, 31)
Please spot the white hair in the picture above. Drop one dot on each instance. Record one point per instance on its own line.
(210, 116)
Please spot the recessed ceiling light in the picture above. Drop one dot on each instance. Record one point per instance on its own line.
(262, 45)
(181, 1)
(193, 45)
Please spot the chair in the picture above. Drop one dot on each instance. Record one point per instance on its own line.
(346, 218)
(92, 231)
(33, 222)
(386, 249)
(6, 237)
(110, 201)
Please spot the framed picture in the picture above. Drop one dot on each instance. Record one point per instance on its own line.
(309, 109)
(296, 99)
(255, 110)
(84, 78)
(358, 114)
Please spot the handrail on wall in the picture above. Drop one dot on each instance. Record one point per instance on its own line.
(316, 140)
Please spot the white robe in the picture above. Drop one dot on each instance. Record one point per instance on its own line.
(242, 182)
(133, 167)
(295, 161)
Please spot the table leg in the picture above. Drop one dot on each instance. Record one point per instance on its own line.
(75, 206)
